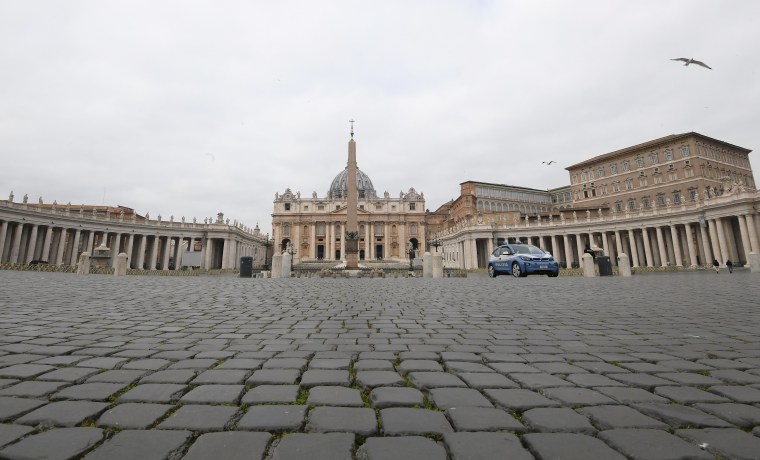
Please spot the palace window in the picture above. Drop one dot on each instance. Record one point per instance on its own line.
(320, 229)
(320, 207)
(305, 208)
(657, 179)
(286, 230)
(668, 155)
(646, 203)
(600, 172)
(413, 229)
(673, 175)
(684, 151)
(676, 197)
(378, 229)
(412, 206)
(654, 159)
(584, 177)
(626, 166)
(639, 162)
(643, 181)
(619, 206)
(616, 186)
(693, 194)
(604, 189)
(660, 199)
(287, 206)
(632, 204)
(629, 184)
(378, 207)
(671, 167)
(613, 168)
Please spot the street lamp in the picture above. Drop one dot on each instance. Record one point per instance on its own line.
(267, 244)
(410, 250)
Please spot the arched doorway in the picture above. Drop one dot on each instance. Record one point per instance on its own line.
(413, 247)
(284, 244)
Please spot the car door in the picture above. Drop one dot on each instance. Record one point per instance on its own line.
(502, 263)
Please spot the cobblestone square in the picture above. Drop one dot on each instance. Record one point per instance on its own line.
(608, 367)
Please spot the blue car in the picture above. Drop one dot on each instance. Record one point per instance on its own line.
(520, 260)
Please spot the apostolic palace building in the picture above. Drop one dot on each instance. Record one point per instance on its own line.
(680, 200)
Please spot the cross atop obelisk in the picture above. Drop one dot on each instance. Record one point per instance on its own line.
(352, 203)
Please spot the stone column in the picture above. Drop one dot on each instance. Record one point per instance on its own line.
(647, 247)
(661, 247)
(676, 245)
(130, 247)
(115, 248)
(690, 246)
(140, 263)
(208, 254)
(45, 255)
(61, 246)
(746, 244)
(90, 242)
(618, 244)
(153, 253)
(3, 235)
(580, 247)
(75, 248)
(555, 248)
(634, 248)
(16, 247)
(178, 253)
(166, 253)
(32, 244)
(749, 228)
(313, 241)
(606, 246)
(226, 253)
(706, 246)
(568, 251)
(722, 241)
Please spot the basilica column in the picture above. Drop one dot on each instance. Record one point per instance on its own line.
(555, 248)
(178, 253)
(313, 241)
(661, 247)
(115, 249)
(690, 246)
(45, 254)
(3, 234)
(634, 249)
(706, 245)
(32, 244)
(752, 229)
(140, 263)
(746, 226)
(75, 248)
(153, 253)
(16, 248)
(568, 251)
(225, 253)
(130, 247)
(62, 239)
(746, 244)
(676, 245)
(606, 247)
(90, 241)
(580, 247)
(722, 241)
(647, 247)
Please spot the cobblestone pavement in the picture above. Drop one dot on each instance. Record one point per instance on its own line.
(662, 366)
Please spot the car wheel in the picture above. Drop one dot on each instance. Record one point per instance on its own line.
(552, 275)
(516, 272)
(492, 272)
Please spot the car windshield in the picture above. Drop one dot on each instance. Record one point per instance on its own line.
(527, 249)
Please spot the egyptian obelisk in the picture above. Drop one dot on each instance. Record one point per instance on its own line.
(352, 203)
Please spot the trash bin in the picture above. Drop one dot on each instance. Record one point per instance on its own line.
(246, 267)
(605, 265)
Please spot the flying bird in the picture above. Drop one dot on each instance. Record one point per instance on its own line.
(688, 61)
(547, 163)
(213, 158)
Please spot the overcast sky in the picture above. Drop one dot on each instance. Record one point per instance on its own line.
(189, 108)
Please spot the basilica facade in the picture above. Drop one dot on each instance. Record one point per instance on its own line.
(391, 228)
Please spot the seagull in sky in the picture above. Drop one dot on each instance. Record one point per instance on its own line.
(547, 163)
(688, 61)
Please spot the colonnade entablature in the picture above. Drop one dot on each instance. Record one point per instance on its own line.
(50, 233)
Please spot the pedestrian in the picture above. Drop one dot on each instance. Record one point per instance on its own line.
(716, 265)
(730, 266)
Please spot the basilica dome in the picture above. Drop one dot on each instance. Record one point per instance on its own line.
(339, 186)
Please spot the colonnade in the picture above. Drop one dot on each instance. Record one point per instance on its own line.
(723, 229)
(30, 234)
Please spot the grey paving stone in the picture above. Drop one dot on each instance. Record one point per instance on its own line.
(273, 418)
(274, 377)
(220, 376)
(154, 392)
(558, 368)
(509, 368)
(373, 365)
(10, 433)
(133, 416)
(384, 397)
(195, 364)
(734, 376)
(688, 395)
(61, 360)
(577, 396)
(428, 380)
(724, 442)
(678, 416)
(335, 396)
(271, 394)
(626, 395)
(7, 382)
(55, 444)
(199, 418)
(483, 419)
(518, 399)
(33, 389)
(11, 408)
(599, 367)
(645, 381)
(24, 371)
(151, 364)
(445, 398)
(557, 419)
(314, 446)
(330, 363)
(247, 364)
(174, 355)
(170, 376)
(400, 421)
(285, 363)
(230, 445)
(372, 379)
(481, 380)
(689, 378)
(568, 446)
(118, 376)
(465, 366)
(740, 394)
(411, 447)
(485, 446)
(317, 377)
(640, 444)
(102, 362)
(68, 374)
(422, 365)
(357, 420)
(142, 444)
(213, 394)
(612, 417)
(63, 413)
(90, 391)
(741, 415)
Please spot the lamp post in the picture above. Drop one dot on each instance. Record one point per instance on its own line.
(267, 244)
(410, 250)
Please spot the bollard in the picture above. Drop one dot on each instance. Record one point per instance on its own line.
(427, 265)
(120, 269)
(287, 265)
(587, 262)
(437, 266)
(754, 262)
(277, 266)
(83, 268)
(624, 265)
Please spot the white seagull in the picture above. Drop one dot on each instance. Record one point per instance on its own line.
(688, 61)
(547, 163)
